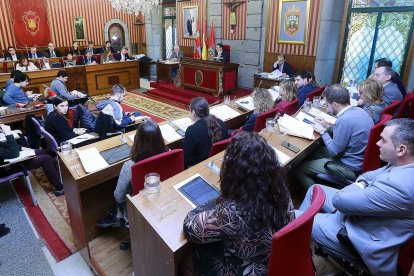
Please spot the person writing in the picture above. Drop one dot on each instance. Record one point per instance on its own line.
(14, 92)
(123, 55)
(206, 130)
(233, 234)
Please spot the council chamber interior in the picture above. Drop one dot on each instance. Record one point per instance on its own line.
(206, 137)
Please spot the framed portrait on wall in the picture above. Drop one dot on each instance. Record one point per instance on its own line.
(293, 21)
(79, 28)
(190, 20)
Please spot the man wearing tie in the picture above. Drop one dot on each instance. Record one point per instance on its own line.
(33, 54)
(89, 59)
(11, 55)
(52, 53)
(91, 48)
(123, 56)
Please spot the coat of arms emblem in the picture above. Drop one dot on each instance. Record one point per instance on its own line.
(292, 20)
(31, 20)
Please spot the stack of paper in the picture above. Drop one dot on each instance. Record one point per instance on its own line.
(183, 123)
(91, 160)
(3, 137)
(169, 134)
(295, 127)
(224, 112)
(318, 113)
(81, 138)
(246, 103)
(23, 155)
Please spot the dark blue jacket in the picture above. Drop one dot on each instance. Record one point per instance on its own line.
(304, 91)
(251, 121)
(287, 69)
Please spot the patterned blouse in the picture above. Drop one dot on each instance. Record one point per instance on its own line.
(230, 245)
(375, 111)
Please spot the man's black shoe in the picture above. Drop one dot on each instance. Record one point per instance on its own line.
(59, 193)
(109, 221)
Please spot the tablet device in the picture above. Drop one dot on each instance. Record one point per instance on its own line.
(197, 190)
(116, 154)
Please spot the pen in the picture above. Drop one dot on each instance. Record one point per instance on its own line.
(77, 171)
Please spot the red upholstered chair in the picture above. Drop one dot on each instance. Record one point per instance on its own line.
(261, 119)
(166, 164)
(219, 146)
(226, 48)
(406, 105)
(392, 108)
(290, 253)
(291, 108)
(316, 92)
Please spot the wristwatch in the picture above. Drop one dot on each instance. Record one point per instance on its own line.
(363, 183)
(322, 132)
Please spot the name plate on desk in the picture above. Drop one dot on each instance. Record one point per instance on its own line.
(197, 191)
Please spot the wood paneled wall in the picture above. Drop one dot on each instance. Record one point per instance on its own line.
(60, 17)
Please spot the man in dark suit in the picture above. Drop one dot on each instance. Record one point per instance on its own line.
(395, 78)
(303, 85)
(189, 25)
(108, 47)
(91, 48)
(123, 55)
(283, 66)
(51, 52)
(11, 55)
(221, 55)
(33, 54)
(89, 59)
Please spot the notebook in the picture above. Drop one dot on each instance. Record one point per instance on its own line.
(116, 154)
(197, 191)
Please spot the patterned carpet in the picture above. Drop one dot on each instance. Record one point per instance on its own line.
(159, 111)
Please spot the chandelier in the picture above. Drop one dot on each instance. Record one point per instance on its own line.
(135, 6)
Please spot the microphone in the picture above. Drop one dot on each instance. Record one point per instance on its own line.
(123, 139)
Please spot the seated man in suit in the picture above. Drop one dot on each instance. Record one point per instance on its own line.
(377, 211)
(112, 107)
(220, 54)
(108, 47)
(176, 55)
(89, 59)
(303, 85)
(51, 52)
(347, 144)
(391, 91)
(11, 55)
(396, 78)
(33, 53)
(123, 55)
(91, 48)
(282, 65)
(58, 86)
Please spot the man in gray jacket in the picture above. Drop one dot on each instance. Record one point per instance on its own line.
(377, 211)
(345, 142)
(391, 91)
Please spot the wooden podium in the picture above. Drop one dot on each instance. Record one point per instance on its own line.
(216, 78)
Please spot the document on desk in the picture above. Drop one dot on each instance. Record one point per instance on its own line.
(196, 190)
(274, 92)
(246, 103)
(295, 127)
(224, 113)
(169, 134)
(132, 137)
(183, 123)
(81, 138)
(23, 155)
(282, 157)
(92, 160)
(302, 116)
(319, 113)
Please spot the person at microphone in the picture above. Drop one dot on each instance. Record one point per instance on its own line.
(221, 55)
(89, 59)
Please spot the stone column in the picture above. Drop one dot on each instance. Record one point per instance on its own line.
(153, 30)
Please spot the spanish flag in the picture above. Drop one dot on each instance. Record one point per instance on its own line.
(204, 53)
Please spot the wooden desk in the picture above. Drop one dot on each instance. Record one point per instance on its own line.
(165, 69)
(264, 82)
(216, 78)
(14, 114)
(158, 245)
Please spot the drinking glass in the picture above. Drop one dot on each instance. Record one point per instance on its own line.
(152, 183)
(270, 125)
(66, 148)
(307, 105)
(226, 99)
(317, 101)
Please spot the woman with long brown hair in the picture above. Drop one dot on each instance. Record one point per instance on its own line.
(205, 131)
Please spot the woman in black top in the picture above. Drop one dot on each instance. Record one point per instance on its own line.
(75, 50)
(57, 123)
(206, 130)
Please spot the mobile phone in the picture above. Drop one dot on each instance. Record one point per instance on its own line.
(308, 121)
(180, 132)
(291, 147)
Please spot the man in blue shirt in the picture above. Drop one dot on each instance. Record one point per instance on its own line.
(14, 92)
(303, 85)
(345, 142)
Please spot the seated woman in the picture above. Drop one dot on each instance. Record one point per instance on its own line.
(75, 50)
(11, 80)
(263, 102)
(69, 61)
(57, 123)
(206, 130)
(14, 92)
(10, 149)
(107, 57)
(233, 234)
(288, 93)
(25, 65)
(371, 92)
(148, 142)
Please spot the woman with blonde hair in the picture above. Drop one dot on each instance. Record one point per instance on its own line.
(288, 93)
(371, 92)
(263, 101)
